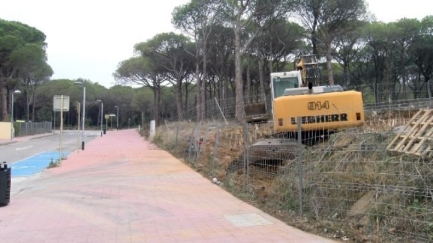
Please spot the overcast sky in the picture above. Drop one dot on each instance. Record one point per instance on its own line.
(88, 38)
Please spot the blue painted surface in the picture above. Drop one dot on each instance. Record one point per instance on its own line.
(34, 164)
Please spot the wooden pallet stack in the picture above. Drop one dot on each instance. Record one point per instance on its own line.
(416, 138)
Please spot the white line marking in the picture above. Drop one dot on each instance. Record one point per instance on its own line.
(24, 147)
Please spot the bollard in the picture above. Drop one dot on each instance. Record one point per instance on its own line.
(5, 184)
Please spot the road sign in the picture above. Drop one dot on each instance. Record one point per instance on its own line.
(57, 99)
(107, 116)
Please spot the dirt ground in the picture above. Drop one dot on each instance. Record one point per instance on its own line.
(230, 161)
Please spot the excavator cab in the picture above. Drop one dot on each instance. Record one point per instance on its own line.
(309, 68)
(306, 74)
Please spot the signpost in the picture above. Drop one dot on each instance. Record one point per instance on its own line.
(111, 121)
(57, 99)
(106, 120)
(60, 103)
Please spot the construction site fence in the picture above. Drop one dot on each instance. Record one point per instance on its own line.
(347, 177)
(31, 128)
(225, 109)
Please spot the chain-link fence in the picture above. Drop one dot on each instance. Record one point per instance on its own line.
(346, 183)
(31, 128)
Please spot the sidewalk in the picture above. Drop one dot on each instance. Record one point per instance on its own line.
(118, 190)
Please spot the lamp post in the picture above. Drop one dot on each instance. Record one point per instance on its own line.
(102, 113)
(84, 112)
(117, 117)
(12, 112)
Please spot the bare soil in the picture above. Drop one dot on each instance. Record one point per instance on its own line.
(261, 191)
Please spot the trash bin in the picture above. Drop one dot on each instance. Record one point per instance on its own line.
(5, 184)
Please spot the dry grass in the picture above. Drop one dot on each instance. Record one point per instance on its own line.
(351, 186)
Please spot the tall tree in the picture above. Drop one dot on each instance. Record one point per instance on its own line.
(279, 40)
(377, 54)
(15, 42)
(169, 50)
(196, 20)
(255, 14)
(422, 53)
(347, 49)
(142, 71)
(32, 69)
(221, 53)
(327, 19)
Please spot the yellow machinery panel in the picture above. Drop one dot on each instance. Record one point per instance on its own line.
(318, 111)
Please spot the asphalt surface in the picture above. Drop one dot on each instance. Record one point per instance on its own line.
(31, 155)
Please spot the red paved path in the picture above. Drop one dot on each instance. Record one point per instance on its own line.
(118, 190)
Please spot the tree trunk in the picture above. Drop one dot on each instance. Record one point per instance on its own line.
(158, 103)
(3, 102)
(203, 82)
(179, 99)
(262, 78)
(404, 86)
(428, 89)
(27, 106)
(198, 89)
(329, 64)
(346, 74)
(33, 107)
(186, 97)
(376, 93)
(220, 91)
(249, 93)
(239, 113)
(313, 32)
(156, 93)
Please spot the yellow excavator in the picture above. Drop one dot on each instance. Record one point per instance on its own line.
(297, 99)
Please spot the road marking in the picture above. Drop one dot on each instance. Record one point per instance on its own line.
(35, 164)
(24, 147)
(70, 141)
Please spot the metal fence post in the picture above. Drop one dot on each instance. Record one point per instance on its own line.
(167, 133)
(215, 152)
(245, 159)
(191, 141)
(299, 161)
(177, 137)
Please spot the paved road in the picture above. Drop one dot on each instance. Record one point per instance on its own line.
(119, 190)
(20, 150)
(31, 156)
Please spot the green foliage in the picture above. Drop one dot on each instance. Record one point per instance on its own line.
(16, 129)
(53, 164)
(396, 56)
(22, 57)
(416, 206)
(158, 140)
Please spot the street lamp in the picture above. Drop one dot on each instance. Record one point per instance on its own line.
(117, 117)
(84, 112)
(12, 112)
(102, 112)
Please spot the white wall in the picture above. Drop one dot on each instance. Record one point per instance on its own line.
(5, 130)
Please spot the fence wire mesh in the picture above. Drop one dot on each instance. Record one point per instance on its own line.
(32, 128)
(346, 178)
